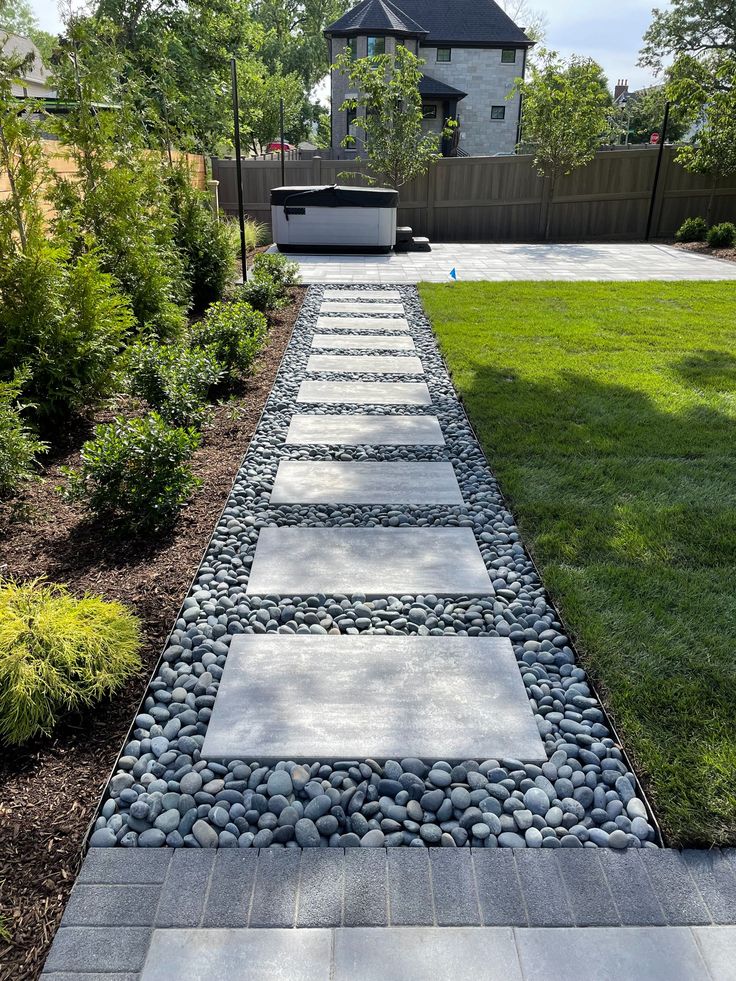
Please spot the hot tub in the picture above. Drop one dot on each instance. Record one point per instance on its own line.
(334, 218)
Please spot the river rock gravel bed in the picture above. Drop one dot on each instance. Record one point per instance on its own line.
(164, 794)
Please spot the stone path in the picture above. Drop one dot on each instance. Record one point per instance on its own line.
(366, 597)
(494, 262)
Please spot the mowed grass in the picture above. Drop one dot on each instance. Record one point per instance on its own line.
(608, 412)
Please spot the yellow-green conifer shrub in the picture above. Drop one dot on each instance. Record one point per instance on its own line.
(58, 653)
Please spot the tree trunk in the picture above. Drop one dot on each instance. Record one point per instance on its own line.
(14, 196)
(548, 215)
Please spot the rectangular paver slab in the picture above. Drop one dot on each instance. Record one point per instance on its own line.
(329, 697)
(365, 482)
(357, 325)
(339, 293)
(366, 342)
(364, 393)
(245, 955)
(349, 306)
(365, 430)
(373, 561)
(372, 364)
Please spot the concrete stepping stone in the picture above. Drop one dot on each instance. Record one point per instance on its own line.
(364, 393)
(329, 698)
(365, 482)
(346, 342)
(349, 306)
(359, 325)
(364, 430)
(372, 561)
(374, 364)
(340, 293)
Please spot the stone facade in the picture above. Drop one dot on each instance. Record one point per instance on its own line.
(477, 71)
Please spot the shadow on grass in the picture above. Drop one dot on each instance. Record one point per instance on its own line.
(709, 369)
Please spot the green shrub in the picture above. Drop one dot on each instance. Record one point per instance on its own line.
(722, 236)
(692, 230)
(232, 333)
(58, 654)
(63, 320)
(205, 243)
(174, 379)
(262, 294)
(136, 473)
(256, 233)
(272, 265)
(18, 442)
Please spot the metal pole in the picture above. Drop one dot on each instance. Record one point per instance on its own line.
(283, 164)
(239, 168)
(660, 154)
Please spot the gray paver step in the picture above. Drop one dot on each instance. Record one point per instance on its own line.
(372, 561)
(347, 342)
(365, 482)
(360, 324)
(372, 364)
(349, 306)
(364, 393)
(357, 430)
(346, 293)
(321, 697)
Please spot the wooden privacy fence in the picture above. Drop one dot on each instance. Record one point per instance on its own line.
(486, 199)
(59, 161)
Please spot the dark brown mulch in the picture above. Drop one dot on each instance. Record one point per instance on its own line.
(48, 791)
(702, 248)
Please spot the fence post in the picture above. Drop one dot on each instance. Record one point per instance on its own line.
(213, 188)
(316, 171)
(667, 161)
(431, 215)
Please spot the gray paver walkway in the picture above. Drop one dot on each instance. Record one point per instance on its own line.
(357, 430)
(536, 261)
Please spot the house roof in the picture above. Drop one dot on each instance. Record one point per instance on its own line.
(470, 23)
(376, 15)
(433, 88)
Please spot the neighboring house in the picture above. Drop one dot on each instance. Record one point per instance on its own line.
(472, 51)
(34, 82)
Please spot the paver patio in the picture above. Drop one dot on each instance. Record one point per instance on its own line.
(558, 261)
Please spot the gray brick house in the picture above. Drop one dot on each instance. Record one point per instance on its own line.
(472, 50)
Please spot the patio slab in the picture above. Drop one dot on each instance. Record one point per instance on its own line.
(374, 364)
(377, 342)
(332, 698)
(364, 393)
(340, 293)
(359, 325)
(350, 306)
(365, 482)
(359, 430)
(371, 561)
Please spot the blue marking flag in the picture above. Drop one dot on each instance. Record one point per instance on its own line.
(453, 274)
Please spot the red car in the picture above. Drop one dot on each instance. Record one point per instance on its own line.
(275, 147)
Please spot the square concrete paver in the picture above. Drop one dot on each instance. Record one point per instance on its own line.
(329, 698)
(425, 954)
(365, 482)
(385, 296)
(364, 393)
(358, 325)
(245, 955)
(373, 364)
(359, 430)
(372, 561)
(368, 342)
(349, 306)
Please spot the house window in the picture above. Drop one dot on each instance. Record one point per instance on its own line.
(508, 56)
(353, 47)
(498, 112)
(444, 54)
(429, 112)
(352, 115)
(376, 46)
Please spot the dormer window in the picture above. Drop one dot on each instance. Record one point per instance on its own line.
(444, 55)
(376, 46)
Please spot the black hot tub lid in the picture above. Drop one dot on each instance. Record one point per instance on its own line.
(335, 196)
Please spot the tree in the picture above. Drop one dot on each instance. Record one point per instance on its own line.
(713, 150)
(643, 113)
(260, 112)
(564, 115)
(390, 116)
(705, 29)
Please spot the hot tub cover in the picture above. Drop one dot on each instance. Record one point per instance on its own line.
(335, 196)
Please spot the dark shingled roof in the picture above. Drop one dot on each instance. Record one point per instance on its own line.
(376, 15)
(472, 23)
(432, 88)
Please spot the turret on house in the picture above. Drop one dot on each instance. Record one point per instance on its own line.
(473, 53)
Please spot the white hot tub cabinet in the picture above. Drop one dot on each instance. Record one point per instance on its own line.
(334, 218)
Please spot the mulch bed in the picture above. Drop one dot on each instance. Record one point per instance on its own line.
(702, 248)
(49, 791)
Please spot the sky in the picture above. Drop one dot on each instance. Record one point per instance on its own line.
(609, 32)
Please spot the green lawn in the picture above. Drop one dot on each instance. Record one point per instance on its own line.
(608, 412)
